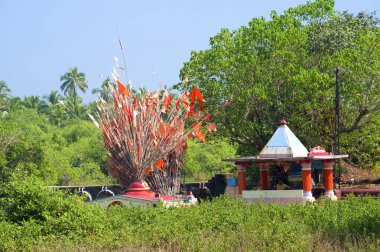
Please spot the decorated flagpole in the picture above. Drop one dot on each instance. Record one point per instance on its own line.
(145, 137)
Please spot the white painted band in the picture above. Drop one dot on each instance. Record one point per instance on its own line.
(306, 165)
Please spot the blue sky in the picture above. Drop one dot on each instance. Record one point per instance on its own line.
(41, 40)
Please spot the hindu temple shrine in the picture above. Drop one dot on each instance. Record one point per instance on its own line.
(287, 171)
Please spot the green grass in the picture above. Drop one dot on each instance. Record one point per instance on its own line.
(224, 224)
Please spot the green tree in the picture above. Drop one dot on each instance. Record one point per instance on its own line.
(53, 107)
(285, 67)
(53, 98)
(33, 102)
(75, 108)
(104, 91)
(72, 81)
(31, 144)
(15, 103)
(204, 160)
(22, 144)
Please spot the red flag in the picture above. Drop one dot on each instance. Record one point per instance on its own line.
(192, 108)
(195, 93)
(149, 170)
(177, 104)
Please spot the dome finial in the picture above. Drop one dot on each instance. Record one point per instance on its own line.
(283, 122)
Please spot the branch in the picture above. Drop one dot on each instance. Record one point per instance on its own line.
(356, 125)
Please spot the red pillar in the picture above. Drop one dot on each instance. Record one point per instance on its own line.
(242, 180)
(306, 180)
(264, 176)
(328, 178)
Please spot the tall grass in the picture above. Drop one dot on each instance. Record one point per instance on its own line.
(224, 224)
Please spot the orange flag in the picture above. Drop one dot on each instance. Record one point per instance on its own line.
(135, 102)
(163, 129)
(197, 126)
(201, 136)
(159, 164)
(166, 103)
(122, 89)
(190, 135)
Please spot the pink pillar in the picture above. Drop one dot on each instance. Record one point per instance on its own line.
(328, 178)
(242, 180)
(264, 176)
(306, 181)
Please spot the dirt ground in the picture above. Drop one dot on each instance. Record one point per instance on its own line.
(356, 177)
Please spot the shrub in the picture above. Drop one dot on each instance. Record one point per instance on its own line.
(38, 218)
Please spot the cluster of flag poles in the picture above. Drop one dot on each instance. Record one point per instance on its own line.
(145, 137)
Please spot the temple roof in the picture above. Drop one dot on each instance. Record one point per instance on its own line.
(283, 144)
(257, 159)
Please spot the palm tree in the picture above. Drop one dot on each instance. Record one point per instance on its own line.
(104, 91)
(15, 103)
(50, 101)
(72, 80)
(32, 101)
(53, 98)
(4, 95)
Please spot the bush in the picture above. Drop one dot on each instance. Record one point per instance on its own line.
(38, 218)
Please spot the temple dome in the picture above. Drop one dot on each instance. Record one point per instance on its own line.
(283, 143)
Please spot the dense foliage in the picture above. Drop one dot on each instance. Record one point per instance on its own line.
(67, 155)
(286, 67)
(52, 138)
(202, 161)
(38, 218)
